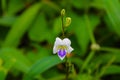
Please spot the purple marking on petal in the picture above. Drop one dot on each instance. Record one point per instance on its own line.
(61, 53)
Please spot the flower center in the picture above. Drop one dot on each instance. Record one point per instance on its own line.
(61, 53)
(62, 47)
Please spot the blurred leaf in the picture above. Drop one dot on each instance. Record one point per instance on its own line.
(112, 9)
(41, 66)
(80, 4)
(97, 4)
(38, 31)
(106, 57)
(85, 77)
(10, 54)
(57, 26)
(2, 74)
(37, 53)
(21, 26)
(113, 69)
(4, 5)
(5, 67)
(81, 30)
(7, 21)
(15, 6)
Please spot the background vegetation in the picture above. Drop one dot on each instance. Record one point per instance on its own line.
(28, 29)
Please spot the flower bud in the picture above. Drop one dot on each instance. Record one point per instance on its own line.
(68, 21)
(62, 12)
(95, 47)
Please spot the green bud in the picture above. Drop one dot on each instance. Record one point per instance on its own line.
(95, 47)
(68, 21)
(62, 12)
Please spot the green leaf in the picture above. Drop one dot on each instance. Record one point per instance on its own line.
(2, 73)
(85, 77)
(4, 5)
(97, 4)
(7, 20)
(106, 57)
(41, 66)
(14, 6)
(81, 31)
(81, 4)
(21, 25)
(112, 19)
(10, 56)
(38, 31)
(113, 69)
(57, 26)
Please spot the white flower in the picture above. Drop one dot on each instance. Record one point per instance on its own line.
(62, 47)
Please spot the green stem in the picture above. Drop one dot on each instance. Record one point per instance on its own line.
(67, 68)
(63, 34)
(109, 49)
(4, 6)
(88, 25)
(106, 66)
(88, 59)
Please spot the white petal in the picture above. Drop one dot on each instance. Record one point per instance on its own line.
(62, 58)
(70, 49)
(58, 41)
(54, 50)
(67, 42)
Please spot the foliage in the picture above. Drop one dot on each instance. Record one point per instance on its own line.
(28, 29)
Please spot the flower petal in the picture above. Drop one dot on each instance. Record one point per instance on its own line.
(67, 42)
(58, 41)
(69, 50)
(61, 54)
(54, 50)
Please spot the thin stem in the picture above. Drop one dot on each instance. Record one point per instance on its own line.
(88, 59)
(4, 5)
(63, 34)
(67, 69)
(106, 66)
(90, 29)
(109, 49)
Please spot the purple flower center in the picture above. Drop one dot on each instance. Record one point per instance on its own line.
(61, 53)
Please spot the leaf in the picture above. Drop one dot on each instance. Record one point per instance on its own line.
(11, 55)
(113, 69)
(57, 26)
(7, 20)
(112, 19)
(14, 6)
(2, 74)
(38, 31)
(41, 66)
(97, 4)
(106, 57)
(85, 77)
(80, 4)
(81, 31)
(21, 25)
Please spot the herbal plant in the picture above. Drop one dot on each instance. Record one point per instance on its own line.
(30, 31)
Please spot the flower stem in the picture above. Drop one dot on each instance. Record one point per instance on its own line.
(90, 56)
(108, 49)
(67, 69)
(88, 25)
(63, 30)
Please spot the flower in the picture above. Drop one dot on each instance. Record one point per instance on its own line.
(62, 47)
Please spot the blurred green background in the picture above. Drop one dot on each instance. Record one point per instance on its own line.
(28, 29)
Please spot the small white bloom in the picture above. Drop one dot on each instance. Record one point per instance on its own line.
(62, 47)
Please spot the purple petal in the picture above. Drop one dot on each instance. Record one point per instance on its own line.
(62, 54)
